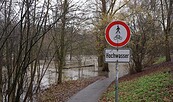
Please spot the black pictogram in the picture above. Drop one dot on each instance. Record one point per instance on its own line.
(118, 29)
(118, 37)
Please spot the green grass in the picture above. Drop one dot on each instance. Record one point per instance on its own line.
(150, 88)
(160, 60)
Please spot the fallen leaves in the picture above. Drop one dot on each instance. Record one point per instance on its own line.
(62, 92)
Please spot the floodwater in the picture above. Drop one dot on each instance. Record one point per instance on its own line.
(74, 72)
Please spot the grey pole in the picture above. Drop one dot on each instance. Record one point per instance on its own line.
(116, 83)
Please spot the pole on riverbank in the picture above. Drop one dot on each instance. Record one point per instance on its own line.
(117, 37)
(116, 83)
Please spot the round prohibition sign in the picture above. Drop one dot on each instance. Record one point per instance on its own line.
(117, 34)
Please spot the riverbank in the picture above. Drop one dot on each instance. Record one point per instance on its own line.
(155, 83)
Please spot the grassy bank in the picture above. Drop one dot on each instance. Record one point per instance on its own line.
(160, 60)
(154, 87)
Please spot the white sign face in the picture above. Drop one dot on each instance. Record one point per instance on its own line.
(117, 34)
(120, 55)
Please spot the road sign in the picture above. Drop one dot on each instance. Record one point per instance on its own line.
(117, 34)
(117, 55)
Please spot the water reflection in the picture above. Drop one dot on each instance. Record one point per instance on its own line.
(76, 73)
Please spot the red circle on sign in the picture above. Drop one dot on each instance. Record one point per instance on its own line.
(109, 39)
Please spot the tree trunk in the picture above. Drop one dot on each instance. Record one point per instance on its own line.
(167, 26)
(100, 61)
(167, 49)
(138, 66)
(1, 94)
(60, 67)
(103, 64)
(62, 43)
(105, 67)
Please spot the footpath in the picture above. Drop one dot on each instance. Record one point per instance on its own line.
(92, 92)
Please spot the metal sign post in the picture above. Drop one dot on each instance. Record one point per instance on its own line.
(117, 34)
(116, 83)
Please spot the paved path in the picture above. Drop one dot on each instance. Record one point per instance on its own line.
(92, 92)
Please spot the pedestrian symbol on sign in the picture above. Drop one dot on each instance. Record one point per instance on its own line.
(118, 29)
(118, 37)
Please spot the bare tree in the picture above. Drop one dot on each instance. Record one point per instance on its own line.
(22, 37)
(105, 13)
(66, 32)
(146, 32)
(167, 23)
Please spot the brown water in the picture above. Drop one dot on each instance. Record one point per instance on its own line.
(83, 72)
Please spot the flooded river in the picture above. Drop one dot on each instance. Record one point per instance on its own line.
(74, 72)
